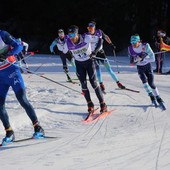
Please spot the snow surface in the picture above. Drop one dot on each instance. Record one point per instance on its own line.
(134, 137)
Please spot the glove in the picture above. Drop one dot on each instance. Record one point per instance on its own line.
(137, 59)
(92, 55)
(120, 85)
(113, 46)
(11, 59)
(142, 55)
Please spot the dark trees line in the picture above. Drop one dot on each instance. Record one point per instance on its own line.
(37, 21)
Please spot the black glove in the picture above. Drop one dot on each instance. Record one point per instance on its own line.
(93, 54)
(142, 55)
(113, 46)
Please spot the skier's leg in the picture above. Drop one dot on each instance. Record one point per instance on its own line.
(73, 65)
(22, 57)
(155, 90)
(110, 71)
(99, 74)
(18, 86)
(65, 67)
(4, 116)
(71, 60)
(143, 77)
(81, 74)
(21, 97)
(98, 70)
(92, 79)
(3, 113)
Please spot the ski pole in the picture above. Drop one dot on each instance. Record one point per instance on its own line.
(46, 78)
(36, 69)
(28, 55)
(114, 53)
(110, 60)
(160, 52)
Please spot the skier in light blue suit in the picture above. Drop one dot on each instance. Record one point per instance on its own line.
(98, 36)
(59, 43)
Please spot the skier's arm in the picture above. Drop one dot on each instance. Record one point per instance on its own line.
(65, 48)
(10, 40)
(149, 54)
(107, 38)
(131, 58)
(98, 46)
(25, 45)
(52, 46)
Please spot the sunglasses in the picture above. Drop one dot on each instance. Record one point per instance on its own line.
(72, 35)
(61, 34)
(91, 25)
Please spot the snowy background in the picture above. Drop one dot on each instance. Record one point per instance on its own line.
(134, 137)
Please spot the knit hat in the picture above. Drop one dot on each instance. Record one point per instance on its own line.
(134, 39)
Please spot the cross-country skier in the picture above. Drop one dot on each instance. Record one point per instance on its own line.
(10, 76)
(80, 47)
(21, 55)
(142, 55)
(59, 42)
(97, 37)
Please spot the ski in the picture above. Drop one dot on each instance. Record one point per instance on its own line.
(154, 103)
(74, 79)
(5, 144)
(73, 82)
(90, 115)
(32, 138)
(135, 91)
(27, 139)
(102, 115)
(97, 116)
(162, 106)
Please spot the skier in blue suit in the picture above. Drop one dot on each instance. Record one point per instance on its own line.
(10, 76)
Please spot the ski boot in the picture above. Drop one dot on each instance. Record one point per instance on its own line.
(120, 85)
(69, 78)
(153, 100)
(90, 107)
(103, 107)
(22, 71)
(161, 103)
(9, 138)
(102, 87)
(90, 110)
(66, 72)
(38, 131)
(28, 71)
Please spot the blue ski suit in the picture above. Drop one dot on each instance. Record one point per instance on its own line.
(10, 76)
